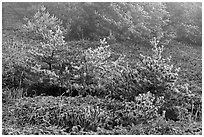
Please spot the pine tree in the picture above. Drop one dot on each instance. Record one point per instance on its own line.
(49, 33)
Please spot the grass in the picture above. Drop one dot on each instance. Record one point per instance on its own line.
(83, 115)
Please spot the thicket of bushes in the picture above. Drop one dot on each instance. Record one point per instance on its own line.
(121, 21)
(111, 94)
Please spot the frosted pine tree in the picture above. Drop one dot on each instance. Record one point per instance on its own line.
(49, 33)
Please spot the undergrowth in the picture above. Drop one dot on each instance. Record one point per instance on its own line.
(122, 112)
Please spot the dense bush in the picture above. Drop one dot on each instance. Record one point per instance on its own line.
(153, 73)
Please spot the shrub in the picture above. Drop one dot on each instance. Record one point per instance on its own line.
(52, 40)
(48, 58)
(157, 72)
(154, 73)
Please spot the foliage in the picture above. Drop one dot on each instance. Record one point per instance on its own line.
(100, 61)
(131, 25)
(49, 32)
(186, 20)
(84, 87)
(65, 64)
(154, 74)
(120, 20)
(159, 74)
(13, 60)
(45, 27)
